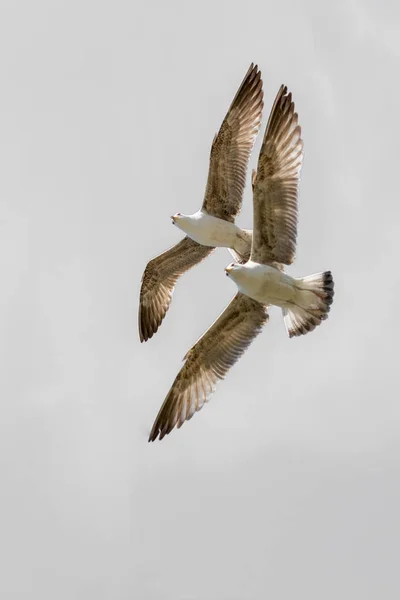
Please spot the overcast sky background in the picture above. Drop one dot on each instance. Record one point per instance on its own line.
(287, 484)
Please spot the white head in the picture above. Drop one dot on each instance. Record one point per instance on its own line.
(179, 220)
(234, 271)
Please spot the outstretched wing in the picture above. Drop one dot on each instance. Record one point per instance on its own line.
(209, 361)
(275, 185)
(231, 149)
(159, 279)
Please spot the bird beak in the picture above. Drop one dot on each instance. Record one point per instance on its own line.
(228, 270)
(173, 220)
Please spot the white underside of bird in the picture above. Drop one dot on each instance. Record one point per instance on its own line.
(270, 286)
(212, 231)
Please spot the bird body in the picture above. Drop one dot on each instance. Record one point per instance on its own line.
(264, 283)
(207, 230)
(306, 300)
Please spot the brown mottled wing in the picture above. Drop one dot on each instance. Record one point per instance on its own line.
(231, 149)
(209, 361)
(275, 185)
(159, 279)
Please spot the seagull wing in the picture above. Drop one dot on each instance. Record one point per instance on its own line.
(275, 185)
(209, 361)
(231, 148)
(159, 279)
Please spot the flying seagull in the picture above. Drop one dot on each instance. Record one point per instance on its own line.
(261, 281)
(214, 224)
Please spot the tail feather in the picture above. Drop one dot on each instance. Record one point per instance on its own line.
(312, 306)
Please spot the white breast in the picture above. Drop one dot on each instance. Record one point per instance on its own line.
(265, 284)
(208, 230)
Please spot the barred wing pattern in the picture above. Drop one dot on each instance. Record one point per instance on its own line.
(231, 149)
(275, 185)
(159, 279)
(209, 361)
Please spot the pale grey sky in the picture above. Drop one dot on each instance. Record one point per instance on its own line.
(287, 484)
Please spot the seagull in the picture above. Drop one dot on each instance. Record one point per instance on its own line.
(261, 281)
(214, 224)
